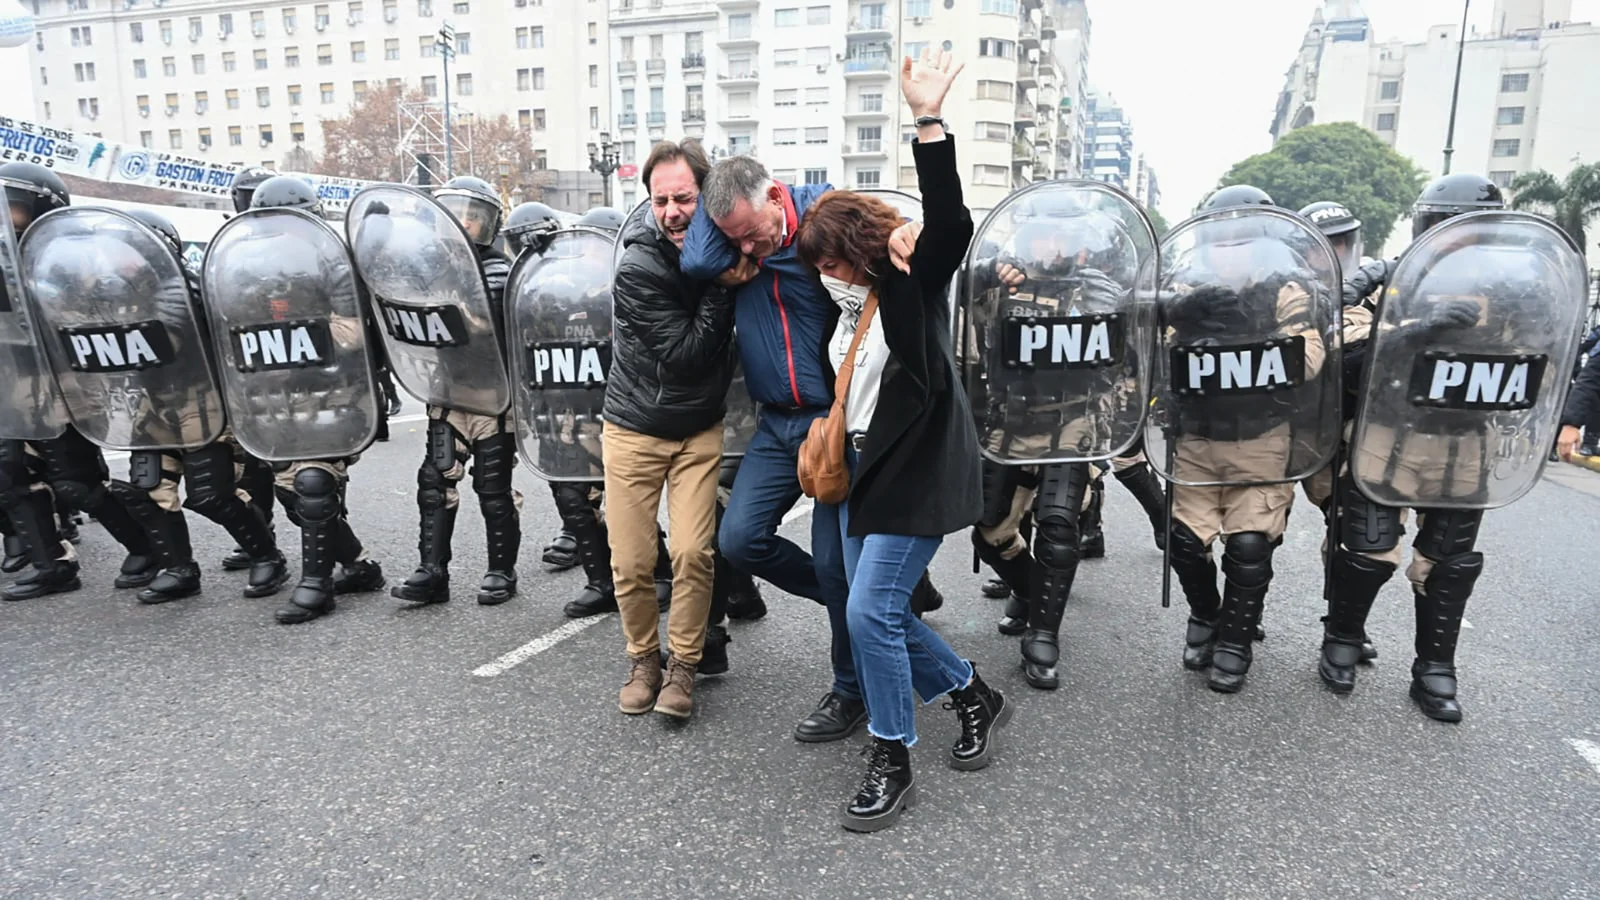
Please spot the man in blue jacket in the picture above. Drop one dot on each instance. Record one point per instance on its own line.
(784, 318)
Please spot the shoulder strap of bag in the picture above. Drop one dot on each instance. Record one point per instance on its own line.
(841, 384)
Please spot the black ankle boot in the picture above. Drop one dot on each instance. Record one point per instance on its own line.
(16, 554)
(312, 599)
(1017, 574)
(981, 709)
(427, 585)
(886, 789)
(1014, 620)
(1247, 571)
(995, 589)
(496, 588)
(137, 571)
(360, 577)
(562, 552)
(1041, 649)
(1353, 586)
(714, 656)
(1433, 687)
(267, 575)
(58, 577)
(1199, 640)
(1439, 609)
(744, 598)
(925, 598)
(174, 583)
(236, 561)
(593, 600)
(430, 583)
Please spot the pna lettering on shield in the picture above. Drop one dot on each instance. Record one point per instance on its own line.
(273, 347)
(567, 365)
(1485, 382)
(1067, 342)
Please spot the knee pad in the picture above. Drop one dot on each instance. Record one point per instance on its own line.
(431, 487)
(316, 494)
(1364, 526)
(441, 446)
(1185, 546)
(1059, 500)
(572, 502)
(1055, 545)
(494, 462)
(1247, 559)
(1454, 577)
(209, 472)
(1445, 533)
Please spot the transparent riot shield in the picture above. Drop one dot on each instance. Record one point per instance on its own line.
(739, 424)
(123, 333)
(1057, 324)
(1468, 363)
(908, 206)
(1247, 371)
(289, 326)
(33, 410)
(429, 297)
(559, 304)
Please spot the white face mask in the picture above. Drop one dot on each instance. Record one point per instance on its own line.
(850, 297)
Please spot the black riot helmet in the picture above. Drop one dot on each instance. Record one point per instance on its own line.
(161, 225)
(603, 217)
(1453, 195)
(286, 192)
(1342, 229)
(527, 222)
(31, 191)
(475, 205)
(245, 184)
(1237, 195)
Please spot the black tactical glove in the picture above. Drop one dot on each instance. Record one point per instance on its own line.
(1370, 277)
(1205, 309)
(1450, 314)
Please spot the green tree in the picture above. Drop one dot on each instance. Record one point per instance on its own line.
(1570, 204)
(1340, 161)
(1157, 220)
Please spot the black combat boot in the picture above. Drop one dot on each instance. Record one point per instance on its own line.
(744, 596)
(236, 561)
(886, 789)
(360, 577)
(1197, 574)
(1041, 649)
(981, 710)
(599, 596)
(317, 504)
(169, 538)
(1354, 585)
(56, 577)
(925, 598)
(1247, 571)
(16, 554)
(1146, 488)
(1091, 533)
(1440, 607)
(504, 533)
(561, 553)
(713, 654)
(137, 571)
(995, 589)
(1017, 575)
(430, 583)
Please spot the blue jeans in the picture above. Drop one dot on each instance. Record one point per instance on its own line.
(765, 489)
(895, 652)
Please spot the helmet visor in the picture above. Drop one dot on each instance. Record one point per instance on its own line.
(479, 217)
(1348, 248)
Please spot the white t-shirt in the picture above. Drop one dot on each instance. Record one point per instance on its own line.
(872, 356)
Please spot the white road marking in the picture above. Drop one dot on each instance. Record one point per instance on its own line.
(114, 455)
(800, 509)
(1589, 750)
(1465, 624)
(537, 646)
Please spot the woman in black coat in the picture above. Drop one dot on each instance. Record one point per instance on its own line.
(912, 451)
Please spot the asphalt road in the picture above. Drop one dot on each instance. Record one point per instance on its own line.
(200, 750)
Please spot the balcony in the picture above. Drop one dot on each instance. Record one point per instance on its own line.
(741, 77)
(1027, 75)
(626, 67)
(1022, 151)
(627, 120)
(1047, 67)
(1047, 27)
(868, 67)
(1032, 4)
(864, 150)
(1025, 115)
(694, 117)
(738, 117)
(738, 4)
(694, 62)
(1028, 36)
(656, 118)
(655, 65)
(738, 37)
(862, 112)
(869, 26)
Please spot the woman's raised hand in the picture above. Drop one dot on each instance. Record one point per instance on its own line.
(925, 82)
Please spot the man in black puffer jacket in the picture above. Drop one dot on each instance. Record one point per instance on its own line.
(672, 360)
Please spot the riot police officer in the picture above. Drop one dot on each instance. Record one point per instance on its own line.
(313, 491)
(35, 474)
(454, 435)
(212, 475)
(604, 218)
(1444, 564)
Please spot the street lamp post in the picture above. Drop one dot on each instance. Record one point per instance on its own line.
(503, 167)
(603, 159)
(446, 44)
(1455, 93)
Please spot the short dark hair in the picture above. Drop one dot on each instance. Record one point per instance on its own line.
(688, 150)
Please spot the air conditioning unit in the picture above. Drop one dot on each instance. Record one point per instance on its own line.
(266, 142)
(822, 69)
(194, 38)
(144, 113)
(171, 112)
(223, 35)
(288, 29)
(322, 26)
(352, 21)
(391, 16)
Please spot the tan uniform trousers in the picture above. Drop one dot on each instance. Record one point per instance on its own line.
(165, 495)
(1006, 536)
(468, 428)
(637, 467)
(1212, 512)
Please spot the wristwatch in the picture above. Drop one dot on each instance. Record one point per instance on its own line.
(933, 120)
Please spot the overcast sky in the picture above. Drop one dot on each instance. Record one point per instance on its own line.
(1199, 79)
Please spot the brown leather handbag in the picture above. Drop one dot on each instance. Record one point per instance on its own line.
(822, 470)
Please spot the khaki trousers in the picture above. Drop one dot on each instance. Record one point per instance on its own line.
(637, 467)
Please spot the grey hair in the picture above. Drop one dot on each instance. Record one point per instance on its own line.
(731, 179)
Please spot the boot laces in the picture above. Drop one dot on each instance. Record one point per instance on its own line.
(876, 779)
(640, 670)
(969, 709)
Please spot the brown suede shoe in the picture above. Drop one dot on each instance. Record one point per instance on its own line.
(677, 695)
(644, 682)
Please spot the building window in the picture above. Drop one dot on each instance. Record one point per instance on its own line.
(266, 134)
(326, 89)
(202, 102)
(295, 95)
(263, 97)
(428, 46)
(524, 79)
(391, 49)
(872, 102)
(464, 85)
(785, 59)
(816, 96)
(196, 28)
(538, 120)
(430, 85)
(997, 48)
(593, 34)
(321, 16)
(908, 176)
(1003, 7)
(524, 42)
(538, 37)
(786, 18)
(869, 138)
(358, 51)
(147, 140)
(461, 8)
(358, 92)
(258, 23)
(324, 54)
(785, 137)
(136, 32)
(783, 176)
(357, 14)
(1509, 115)
(869, 178)
(205, 138)
(169, 67)
(291, 58)
(425, 8)
(291, 21)
(525, 119)
(996, 90)
(297, 132)
(143, 103)
(741, 26)
(235, 136)
(1386, 121)
(138, 70)
(818, 15)
(818, 56)
(915, 49)
(230, 62)
(997, 175)
(1507, 148)
(541, 160)
(165, 26)
(594, 116)
(1502, 177)
(1514, 84)
(1389, 90)
(172, 104)
(44, 76)
(817, 135)
(260, 57)
(198, 63)
(225, 23)
(538, 82)
(694, 43)
(391, 10)
(919, 9)
(694, 99)
(463, 43)
(816, 176)
(231, 97)
(786, 97)
(594, 76)
(175, 139)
